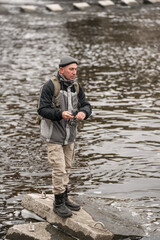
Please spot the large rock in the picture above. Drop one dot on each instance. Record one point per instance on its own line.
(80, 225)
(35, 231)
(151, 238)
(120, 221)
(151, 1)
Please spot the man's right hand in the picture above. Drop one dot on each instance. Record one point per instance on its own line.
(67, 115)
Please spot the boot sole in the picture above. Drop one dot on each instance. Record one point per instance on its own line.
(73, 209)
(62, 215)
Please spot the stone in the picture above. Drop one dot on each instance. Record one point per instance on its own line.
(31, 215)
(28, 8)
(54, 7)
(129, 2)
(106, 3)
(81, 6)
(119, 221)
(151, 1)
(17, 1)
(36, 231)
(80, 225)
(151, 238)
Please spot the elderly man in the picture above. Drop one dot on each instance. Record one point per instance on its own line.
(62, 103)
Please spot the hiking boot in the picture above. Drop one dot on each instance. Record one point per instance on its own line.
(60, 208)
(72, 206)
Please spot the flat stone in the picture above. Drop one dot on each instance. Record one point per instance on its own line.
(129, 2)
(151, 238)
(106, 3)
(31, 215)
(81, 6)
(54, 7)
(119, 221)
(80, 225)
(35, 231)
(151, 1)
(28, 8)
(22, 2)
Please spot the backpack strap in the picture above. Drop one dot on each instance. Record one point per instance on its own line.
(76, 85)
(57, 88)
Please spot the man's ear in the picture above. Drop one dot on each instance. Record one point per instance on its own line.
(61, 70)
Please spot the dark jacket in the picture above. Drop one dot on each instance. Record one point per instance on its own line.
(53, 128)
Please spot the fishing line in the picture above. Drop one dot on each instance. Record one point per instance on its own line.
(120, 135)
(98, 126)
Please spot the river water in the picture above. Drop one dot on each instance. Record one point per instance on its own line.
(118, 148)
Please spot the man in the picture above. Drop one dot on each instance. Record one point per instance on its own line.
(58, 127)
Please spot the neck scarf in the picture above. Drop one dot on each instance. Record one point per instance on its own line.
(64, 80)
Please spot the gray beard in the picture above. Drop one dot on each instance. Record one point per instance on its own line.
(63, 79)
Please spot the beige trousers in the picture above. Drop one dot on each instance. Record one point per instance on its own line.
(61, 159)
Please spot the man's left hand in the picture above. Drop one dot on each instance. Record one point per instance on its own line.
(80, 116)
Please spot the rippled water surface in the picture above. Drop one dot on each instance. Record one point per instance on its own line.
(118, 148)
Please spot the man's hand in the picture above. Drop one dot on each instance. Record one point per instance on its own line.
(67, 115)
(80, 116)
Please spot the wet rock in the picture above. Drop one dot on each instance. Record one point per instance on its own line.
(28, 9)
(151, 238)
(129, 2)
(81, 6)
(80, 225)
(151, 1)
(54, 7)
(35, 231)
(119, 221)
(30, 215)
(105, 3)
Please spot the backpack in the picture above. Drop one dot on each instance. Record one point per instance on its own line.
(57, 88)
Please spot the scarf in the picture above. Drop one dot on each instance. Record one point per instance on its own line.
(67, 82)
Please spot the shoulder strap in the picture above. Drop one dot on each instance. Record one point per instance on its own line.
(76, 85)
(57, 86)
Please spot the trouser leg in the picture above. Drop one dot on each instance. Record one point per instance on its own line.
(57, 160)
(69, 158)
(61, 159)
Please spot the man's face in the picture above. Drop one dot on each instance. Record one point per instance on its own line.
(69, 72)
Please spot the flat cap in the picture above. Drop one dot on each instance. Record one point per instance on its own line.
(67, 60)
